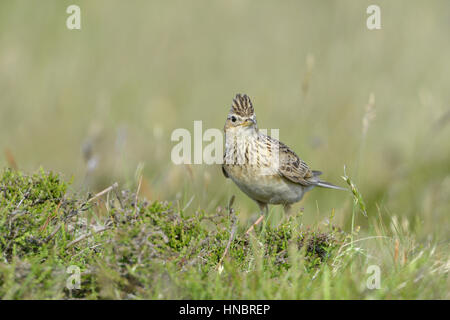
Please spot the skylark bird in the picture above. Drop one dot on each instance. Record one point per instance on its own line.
(265, 169)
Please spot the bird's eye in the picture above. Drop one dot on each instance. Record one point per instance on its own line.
(233, 119)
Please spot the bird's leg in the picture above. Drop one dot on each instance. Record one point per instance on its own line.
(287, 210)
(262, 206)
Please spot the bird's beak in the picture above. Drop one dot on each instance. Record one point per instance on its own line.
(248, 122)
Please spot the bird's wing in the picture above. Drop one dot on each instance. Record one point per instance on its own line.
(292, 167)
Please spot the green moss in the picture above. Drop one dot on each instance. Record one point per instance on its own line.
(30, 208)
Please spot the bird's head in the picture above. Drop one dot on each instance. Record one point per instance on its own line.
(242, 115)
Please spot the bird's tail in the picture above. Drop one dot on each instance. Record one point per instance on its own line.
(324, 184)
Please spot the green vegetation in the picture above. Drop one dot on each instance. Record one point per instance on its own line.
(128, 249)
(99, 105)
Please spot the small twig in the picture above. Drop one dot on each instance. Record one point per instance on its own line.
(189, 203)
(50, 217)
(136, 198)
(16, 214)
(233, 231)
(27, 193)
(255, 224)
(50, 237)
(87, 235)
(112, 187)
(90, 248)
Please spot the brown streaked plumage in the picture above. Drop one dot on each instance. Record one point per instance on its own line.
(242, 106)
(265, 169)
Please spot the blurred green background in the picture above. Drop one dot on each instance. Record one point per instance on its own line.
(101, 102)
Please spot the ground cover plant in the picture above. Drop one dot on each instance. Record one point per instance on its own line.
(132, 248)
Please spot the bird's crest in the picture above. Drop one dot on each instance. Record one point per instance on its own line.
(242, 106)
